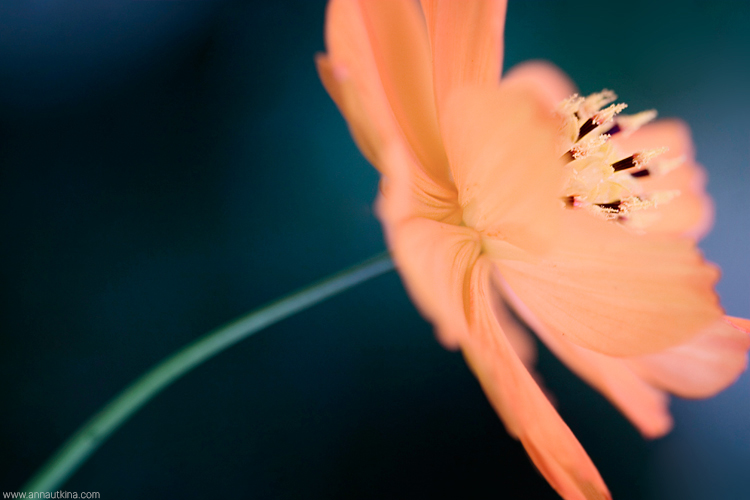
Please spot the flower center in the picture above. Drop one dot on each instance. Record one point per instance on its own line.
(598, 179)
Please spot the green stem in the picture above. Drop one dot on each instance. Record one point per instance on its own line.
(98, 428)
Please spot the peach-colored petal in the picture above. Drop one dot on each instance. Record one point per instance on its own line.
(409, 192)
(384, 49)
(435, 260)
(519, 401)
(701, 367)
(691, 213)
(371, 131)
(615, 292)
(520, 339)
(467, 43)
(740, 323)
(501, 146)
(547, 77)
(645, 406)
(434, 257)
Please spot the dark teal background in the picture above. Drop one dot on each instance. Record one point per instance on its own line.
(169, 165)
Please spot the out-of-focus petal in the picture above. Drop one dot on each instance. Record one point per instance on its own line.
(501, 146)
(701, 367)
(409, 192)
(547, 77)
(615, 292)
(740, 323)
(467, 43)
(645, 406)
(519, 401)
(520, 339)
(370, 130)
(691, 213)
(436, 260)
(383, 48)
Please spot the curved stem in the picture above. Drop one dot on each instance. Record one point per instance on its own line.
(98, 428)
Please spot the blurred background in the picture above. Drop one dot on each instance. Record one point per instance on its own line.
(169, 165)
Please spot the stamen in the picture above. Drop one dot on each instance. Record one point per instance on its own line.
(585, 148)
(615, 205)
(652, 200)
(616, 129)
(643, 157)
(600, 118)
(570, 201)
(608, 113)
(587, 127)
(570, 105)
(638, 159)
(594, 102)
(635, 203)
(597, 181)
(624, 164)
(603, 212)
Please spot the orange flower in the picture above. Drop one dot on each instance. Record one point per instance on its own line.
(492, 203)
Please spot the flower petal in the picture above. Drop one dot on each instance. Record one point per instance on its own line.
(370, 129)
(383, 48)
(522, 342)
(519, 401)
(740, 323)
(501, 145)
(700, 368)
(434, 258)
(548, 78)
(409, 192)
(645, 406)
(691, 213)
(467, 43)
(615, 292)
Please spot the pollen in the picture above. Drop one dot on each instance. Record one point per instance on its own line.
(599, 179)
(588, 146)
(638, 160)
(627, 124)
(602, 117)
(593, 103)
